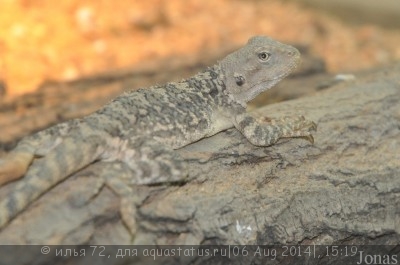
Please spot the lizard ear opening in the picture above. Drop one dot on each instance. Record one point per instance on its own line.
(240, 80)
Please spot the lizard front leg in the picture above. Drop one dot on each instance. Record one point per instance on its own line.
(268, 133)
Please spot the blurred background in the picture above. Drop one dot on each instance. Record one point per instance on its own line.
(66, 39)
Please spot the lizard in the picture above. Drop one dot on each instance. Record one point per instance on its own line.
(142, 128)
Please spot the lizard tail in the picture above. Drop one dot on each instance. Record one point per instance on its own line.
(68, 157)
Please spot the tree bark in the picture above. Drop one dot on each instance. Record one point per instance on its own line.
(343, 189)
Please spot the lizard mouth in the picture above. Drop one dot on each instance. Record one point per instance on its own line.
(266, 84)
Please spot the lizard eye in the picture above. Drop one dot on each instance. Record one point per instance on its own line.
(264, 56)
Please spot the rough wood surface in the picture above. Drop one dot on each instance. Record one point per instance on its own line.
(342, 189)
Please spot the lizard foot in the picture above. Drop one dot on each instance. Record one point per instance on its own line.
(296, 126)
(14, 166)
(114, 175)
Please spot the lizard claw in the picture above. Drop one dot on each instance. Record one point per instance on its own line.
(309, 138)
(313, 127)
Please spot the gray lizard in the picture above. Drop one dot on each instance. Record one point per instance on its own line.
(141, 128)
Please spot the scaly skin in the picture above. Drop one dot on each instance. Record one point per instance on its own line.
(142, 128)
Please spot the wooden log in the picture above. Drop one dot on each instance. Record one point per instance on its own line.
(345, 188)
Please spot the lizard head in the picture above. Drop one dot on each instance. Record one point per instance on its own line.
(256, 67)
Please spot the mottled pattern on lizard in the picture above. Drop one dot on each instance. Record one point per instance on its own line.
(141, 128)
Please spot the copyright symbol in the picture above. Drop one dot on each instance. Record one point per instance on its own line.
(45, 250)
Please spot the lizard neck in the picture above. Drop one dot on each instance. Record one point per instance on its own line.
(219, 71)
(209, 81)
(213, 84)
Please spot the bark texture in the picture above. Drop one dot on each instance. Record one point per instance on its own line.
(343, 189)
